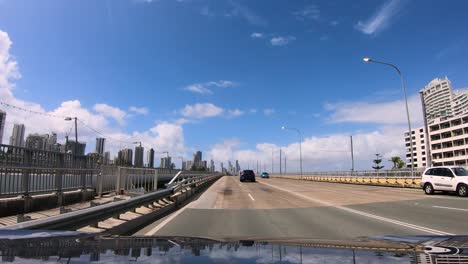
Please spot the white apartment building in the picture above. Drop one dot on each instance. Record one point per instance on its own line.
(449, 141)
(438, 99)
(420, 150)
(446, 117)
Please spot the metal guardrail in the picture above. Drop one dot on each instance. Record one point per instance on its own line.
(81, 218)
(26, 181)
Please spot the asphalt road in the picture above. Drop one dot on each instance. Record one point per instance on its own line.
(303, 209)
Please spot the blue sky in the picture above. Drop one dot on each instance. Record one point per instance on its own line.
(251, 66)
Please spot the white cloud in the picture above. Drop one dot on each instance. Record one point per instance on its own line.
(235, 113)
(253, 110)
(139, 110)
(223, 151)
(380, 113)
(161, 136)
(201, 110)
(282, 40)
(381, 19)
(111, 111)
(334, 23)
(245, 13)
(268, 111)
(257, 35)
(309, 12)
(330, 152)
(203, 88)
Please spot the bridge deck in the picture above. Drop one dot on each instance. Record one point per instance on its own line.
(294, 208)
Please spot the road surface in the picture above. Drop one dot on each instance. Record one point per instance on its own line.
(293, 208)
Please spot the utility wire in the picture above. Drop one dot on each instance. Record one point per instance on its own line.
(58, 116)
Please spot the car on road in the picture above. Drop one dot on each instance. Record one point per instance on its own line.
(446, 178)
(247, 175)
(265, 175)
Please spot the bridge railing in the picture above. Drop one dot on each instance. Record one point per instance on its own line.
(26, 181)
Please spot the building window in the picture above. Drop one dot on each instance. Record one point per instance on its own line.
(412, 132)
(423, 147)
(424, 158)
(422, 141)
(423, 153)
(421, 130)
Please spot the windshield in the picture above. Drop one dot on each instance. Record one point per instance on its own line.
(460, 171)
(222, 119)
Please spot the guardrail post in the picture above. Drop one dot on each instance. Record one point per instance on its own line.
(118, 180)
(99, 181)
(83, 174)
(25, 179)
(59, 178)
(155, 180)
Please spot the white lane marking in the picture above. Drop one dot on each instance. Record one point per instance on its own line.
(166, 221)
(420, 228)
(174, 243)
(251, 197)
(451, 208)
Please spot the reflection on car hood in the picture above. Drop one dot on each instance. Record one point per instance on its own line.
(31, 246)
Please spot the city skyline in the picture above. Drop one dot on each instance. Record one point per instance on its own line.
(228, 98)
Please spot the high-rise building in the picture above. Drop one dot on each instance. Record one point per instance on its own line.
(2, 124)
(150, 158)
(139, 150)
(197, 157)
(437, 99)
(187, 165)
(212, 166)
(17, 136)
(237, 167)
(166, 163)
(100, 142)
(446, 123)
(448, 141)
(70, 147)
(52, 143)
(125, 157)
(36, 141)
(420, 148)
(106, 159)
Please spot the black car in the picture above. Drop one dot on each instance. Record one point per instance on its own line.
(247, 175)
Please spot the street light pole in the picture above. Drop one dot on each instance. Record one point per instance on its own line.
(406, 105)
(300, 142)
(75, 147)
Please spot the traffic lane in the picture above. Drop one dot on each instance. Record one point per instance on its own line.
(446, 214)
(266, 197)
(318, 222)
(229, 193)
(345, 194)
(222, 193)
(439, 214)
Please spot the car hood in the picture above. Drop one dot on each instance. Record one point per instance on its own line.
(27, 246)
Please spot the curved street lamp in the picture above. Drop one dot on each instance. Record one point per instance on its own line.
(406, 104)
(300, 142)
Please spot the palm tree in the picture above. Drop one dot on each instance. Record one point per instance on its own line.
(397, 162)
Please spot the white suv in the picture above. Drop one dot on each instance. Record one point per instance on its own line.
(453, 179)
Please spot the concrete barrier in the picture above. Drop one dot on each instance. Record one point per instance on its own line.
(394, 181)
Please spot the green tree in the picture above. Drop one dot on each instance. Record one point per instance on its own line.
(397, 162)
(377, 161)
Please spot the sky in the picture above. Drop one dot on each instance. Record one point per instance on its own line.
(223, 77)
